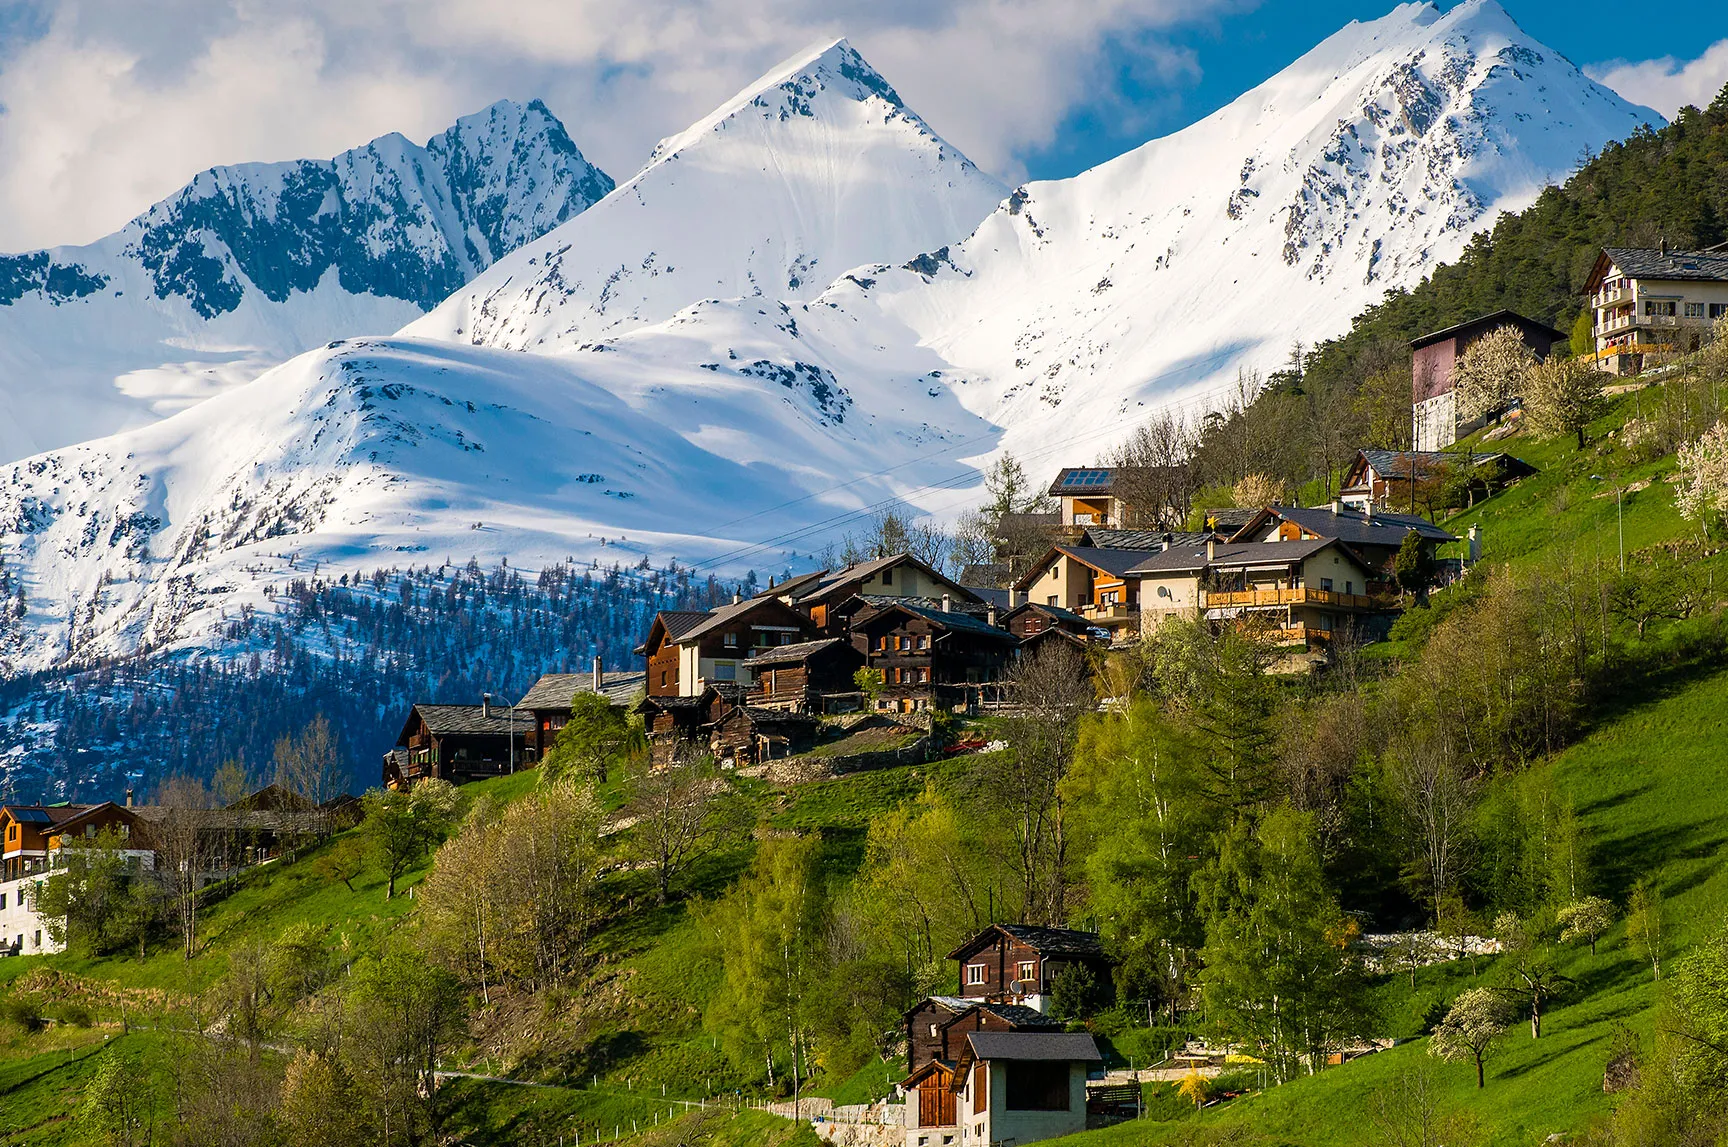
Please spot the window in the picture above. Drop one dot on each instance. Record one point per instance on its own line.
(1026, 971)
(1326, 584)
(888, 576)
(731, 641)
(924, 641)
(786, 639)
(1694, 310)
(981, 1090)
(975, 973)
(2, 901)
(1035, 1085)
(1349, 587)
(1658, 307)
(1717, 310)
(725, 671)
(1052, 600)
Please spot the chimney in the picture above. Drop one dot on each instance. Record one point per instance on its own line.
(737, 597)
(598, 676)
(947, 603)
(1475, 544)
(1368, 510)
(1211, 546)
(128, 796)
(990, 616)
(1014, 599)
(485, 704)
(1337, 506)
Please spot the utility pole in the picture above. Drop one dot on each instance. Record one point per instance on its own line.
(1620, 521)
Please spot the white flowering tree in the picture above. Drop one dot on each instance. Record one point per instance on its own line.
(1703, 478)
(1478, 1018)
(1491, 373)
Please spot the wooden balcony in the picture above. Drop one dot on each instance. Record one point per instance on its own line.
(1300, 595)
(1108, 613)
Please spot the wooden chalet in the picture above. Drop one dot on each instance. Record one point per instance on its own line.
(937, 1027)
(687, 652)
(930, 656)
(1305, 591)
(1019, 963)
(799, 677)
(1646, 300)
(829, 597)
(1105, 496)
(1374, 535)
(1384, 478)
(1091, 582)
(745, 735)
(31, 835)
(1433, 356)
(1033, 618)
(457, 743)
(24, 835)
(1020, 1087)
(549, 699)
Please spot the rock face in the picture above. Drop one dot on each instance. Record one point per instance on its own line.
(251, 264)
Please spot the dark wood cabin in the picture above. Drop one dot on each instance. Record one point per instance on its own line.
(549, 700)
(1034, 617)
(798, 677)
(930, 657)
(660, 648)
(936, 1028)
(457, 743)
(897, 576)
(1019, 963)
(746, 735)
(676, 724)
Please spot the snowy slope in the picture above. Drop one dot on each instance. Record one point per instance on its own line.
(706, 399)
(377, 453)
(815, 168)
(249, 265)
(1152, 278)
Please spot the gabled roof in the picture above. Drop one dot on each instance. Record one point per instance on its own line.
(1347, 524)
(1044, 941)
(792, 654)
(952, 619)
(1495, 319)
(92, 812)
(1228, 519)
(1138, 539)
(1048, 1046)
(1240, 555)
(674, 623)
(555, 690)
(36, 814)
(730, 612)
(444, 720)
(1017, 1014)
(1055, 612)
(1396, 464)
(1657, 263)
(1115, 563)
(273, 797)
(845, 581)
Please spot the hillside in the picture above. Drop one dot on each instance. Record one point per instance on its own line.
(1629, 776)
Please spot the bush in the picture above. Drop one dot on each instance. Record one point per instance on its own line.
(22, 1012)
(74, 1014)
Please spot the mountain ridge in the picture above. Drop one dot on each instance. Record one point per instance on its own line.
(251, 263)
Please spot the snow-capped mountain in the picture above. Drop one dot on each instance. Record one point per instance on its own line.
(813, 169)
(251, 264)
(1149, 280)
(789, 315)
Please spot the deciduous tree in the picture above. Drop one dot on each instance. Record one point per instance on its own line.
(1476, 1020)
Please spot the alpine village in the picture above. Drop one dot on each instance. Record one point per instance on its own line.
(1342, 765)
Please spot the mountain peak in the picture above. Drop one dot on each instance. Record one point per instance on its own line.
(798, 86)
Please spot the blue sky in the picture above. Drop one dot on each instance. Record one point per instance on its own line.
(1235, 50)
(109, 105)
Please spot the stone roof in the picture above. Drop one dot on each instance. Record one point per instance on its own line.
(1349, 524)
(444, 720)
(1062, 1046)
(555, 690)
(790, 654)
(1656, 263)
(1139, 539)
(1235, 555)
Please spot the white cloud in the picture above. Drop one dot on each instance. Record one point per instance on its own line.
(109, 104)
(1667, 84)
